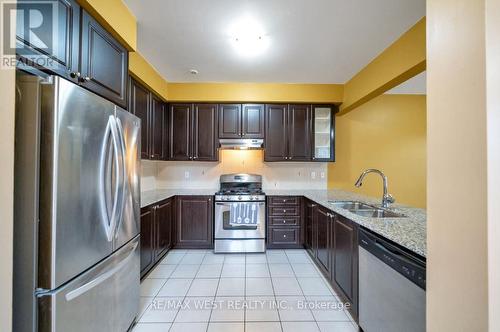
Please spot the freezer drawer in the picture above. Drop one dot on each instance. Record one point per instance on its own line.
(105, 298)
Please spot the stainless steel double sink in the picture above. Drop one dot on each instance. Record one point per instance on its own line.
(366, 210)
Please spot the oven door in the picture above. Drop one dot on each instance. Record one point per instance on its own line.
(224, 230)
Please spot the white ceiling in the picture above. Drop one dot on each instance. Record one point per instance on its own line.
(310, 41)
(414, 86)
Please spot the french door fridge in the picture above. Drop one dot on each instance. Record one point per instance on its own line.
(77, 209)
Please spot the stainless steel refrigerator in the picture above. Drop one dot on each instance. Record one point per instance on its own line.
(77, 209)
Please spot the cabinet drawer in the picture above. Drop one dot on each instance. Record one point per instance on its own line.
(284, 221)
(279, 236)
(284, 200)
(284, 210)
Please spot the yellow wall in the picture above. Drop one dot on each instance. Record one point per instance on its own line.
(272, 92)
(402, 60)
(388, 133)
(141, 70)
(115, 16)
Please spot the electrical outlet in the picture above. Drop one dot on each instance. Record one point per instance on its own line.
(186, 175)
(322, 175)
(313, 175)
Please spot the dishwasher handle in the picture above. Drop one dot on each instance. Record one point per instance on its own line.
(410, 266)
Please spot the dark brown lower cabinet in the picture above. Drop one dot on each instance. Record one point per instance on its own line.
(194, 226)
(309, 226)
(147, 242)
(345, 259)
(323, 226)
(156, 233)
(284, 220)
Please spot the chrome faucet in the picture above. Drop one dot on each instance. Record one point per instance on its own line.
(387, 198)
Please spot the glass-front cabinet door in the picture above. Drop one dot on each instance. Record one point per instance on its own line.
(323, 133)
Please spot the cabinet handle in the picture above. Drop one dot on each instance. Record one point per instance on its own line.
(242, 134)
(284, 221)
(284, 211)
(284, 236)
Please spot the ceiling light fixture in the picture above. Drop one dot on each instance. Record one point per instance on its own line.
(248, 37)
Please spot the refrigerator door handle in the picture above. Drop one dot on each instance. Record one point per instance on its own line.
(109, 226)
(124, 172)
(101, 277)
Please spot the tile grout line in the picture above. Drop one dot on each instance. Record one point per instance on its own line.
(274, 296)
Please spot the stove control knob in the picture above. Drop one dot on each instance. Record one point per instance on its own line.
(240, 198)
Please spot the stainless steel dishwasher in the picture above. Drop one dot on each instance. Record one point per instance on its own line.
(391, 286)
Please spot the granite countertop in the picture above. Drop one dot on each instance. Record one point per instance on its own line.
(152, 196)
(409, 232)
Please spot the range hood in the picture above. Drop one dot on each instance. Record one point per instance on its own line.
(241, 143)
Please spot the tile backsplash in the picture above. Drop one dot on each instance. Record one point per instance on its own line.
(276, 175)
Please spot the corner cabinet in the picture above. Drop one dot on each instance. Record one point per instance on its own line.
(241, 121)
(194, 225)
(193, 132)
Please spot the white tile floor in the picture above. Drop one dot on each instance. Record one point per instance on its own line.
(281, 290)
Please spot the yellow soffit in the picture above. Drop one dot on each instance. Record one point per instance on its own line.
(405, 58)
(255, 92)
(142, 71)
(115, 16)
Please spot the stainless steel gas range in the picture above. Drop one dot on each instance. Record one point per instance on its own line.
(240, 214)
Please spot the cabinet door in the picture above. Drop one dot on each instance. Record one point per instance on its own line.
(147, 242)
(180, 131)
(323, 136)
(345, 256)
(60, 55)
(157, 127)
(299, 132)
(229, 121)
(205, 132)
(194, 222)
(310, 241)
(276, 133)
(139, 106)
(163, 221)
(104, 62)
(252, 121)
(323, 239)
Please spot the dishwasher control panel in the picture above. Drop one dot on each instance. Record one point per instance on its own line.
(410, 266)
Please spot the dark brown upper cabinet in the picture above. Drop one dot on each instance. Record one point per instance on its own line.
(299, 132)
(157, 128)
(139, 103)
(180, 131)
(153, 114)
(104, 62)
(194, 222)
(83, 51)
(193, 132)
(252, 121)
(323, 132)
(205, 121)
(241, 121)
(299, 127)
(276, 133)
(62, 56)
